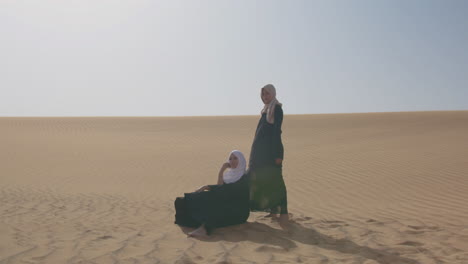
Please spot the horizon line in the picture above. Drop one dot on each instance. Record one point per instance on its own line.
(182, 116)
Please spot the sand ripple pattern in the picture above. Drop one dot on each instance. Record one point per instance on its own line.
(363, 188)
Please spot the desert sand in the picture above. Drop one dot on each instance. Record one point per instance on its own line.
(362, 188)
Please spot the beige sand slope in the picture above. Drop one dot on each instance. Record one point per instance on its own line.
(363, 188)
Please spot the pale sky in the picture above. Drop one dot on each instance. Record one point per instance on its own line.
(168, 58)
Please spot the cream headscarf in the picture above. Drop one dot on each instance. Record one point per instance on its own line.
(233, 175)
(270, 108)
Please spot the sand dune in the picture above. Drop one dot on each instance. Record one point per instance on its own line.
(362, 188)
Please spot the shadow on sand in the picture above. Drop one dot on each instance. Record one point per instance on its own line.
(284, 241)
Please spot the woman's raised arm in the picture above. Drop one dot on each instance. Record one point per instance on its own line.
(221, 172)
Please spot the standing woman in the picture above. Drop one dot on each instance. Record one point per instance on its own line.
(267, 188)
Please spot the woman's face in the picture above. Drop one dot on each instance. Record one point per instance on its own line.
(266, 96)
(233, 161)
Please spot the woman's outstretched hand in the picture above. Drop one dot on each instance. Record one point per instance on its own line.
(203, 188)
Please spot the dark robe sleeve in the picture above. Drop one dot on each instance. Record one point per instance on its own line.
(278, 150)
(214, 186)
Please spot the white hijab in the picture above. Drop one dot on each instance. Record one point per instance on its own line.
(233, 175)
(270, 108)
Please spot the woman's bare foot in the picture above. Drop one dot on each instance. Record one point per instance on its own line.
(284, 222)
(199, 232)
(284, 218)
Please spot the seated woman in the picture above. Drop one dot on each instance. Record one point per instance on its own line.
(223, 204)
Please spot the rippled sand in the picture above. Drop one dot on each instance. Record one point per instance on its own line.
(362, 188)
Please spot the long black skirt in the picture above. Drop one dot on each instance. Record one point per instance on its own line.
(267, 190)
(222, 205)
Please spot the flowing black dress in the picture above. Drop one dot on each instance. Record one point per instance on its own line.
(267, 188)
(222, 205)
